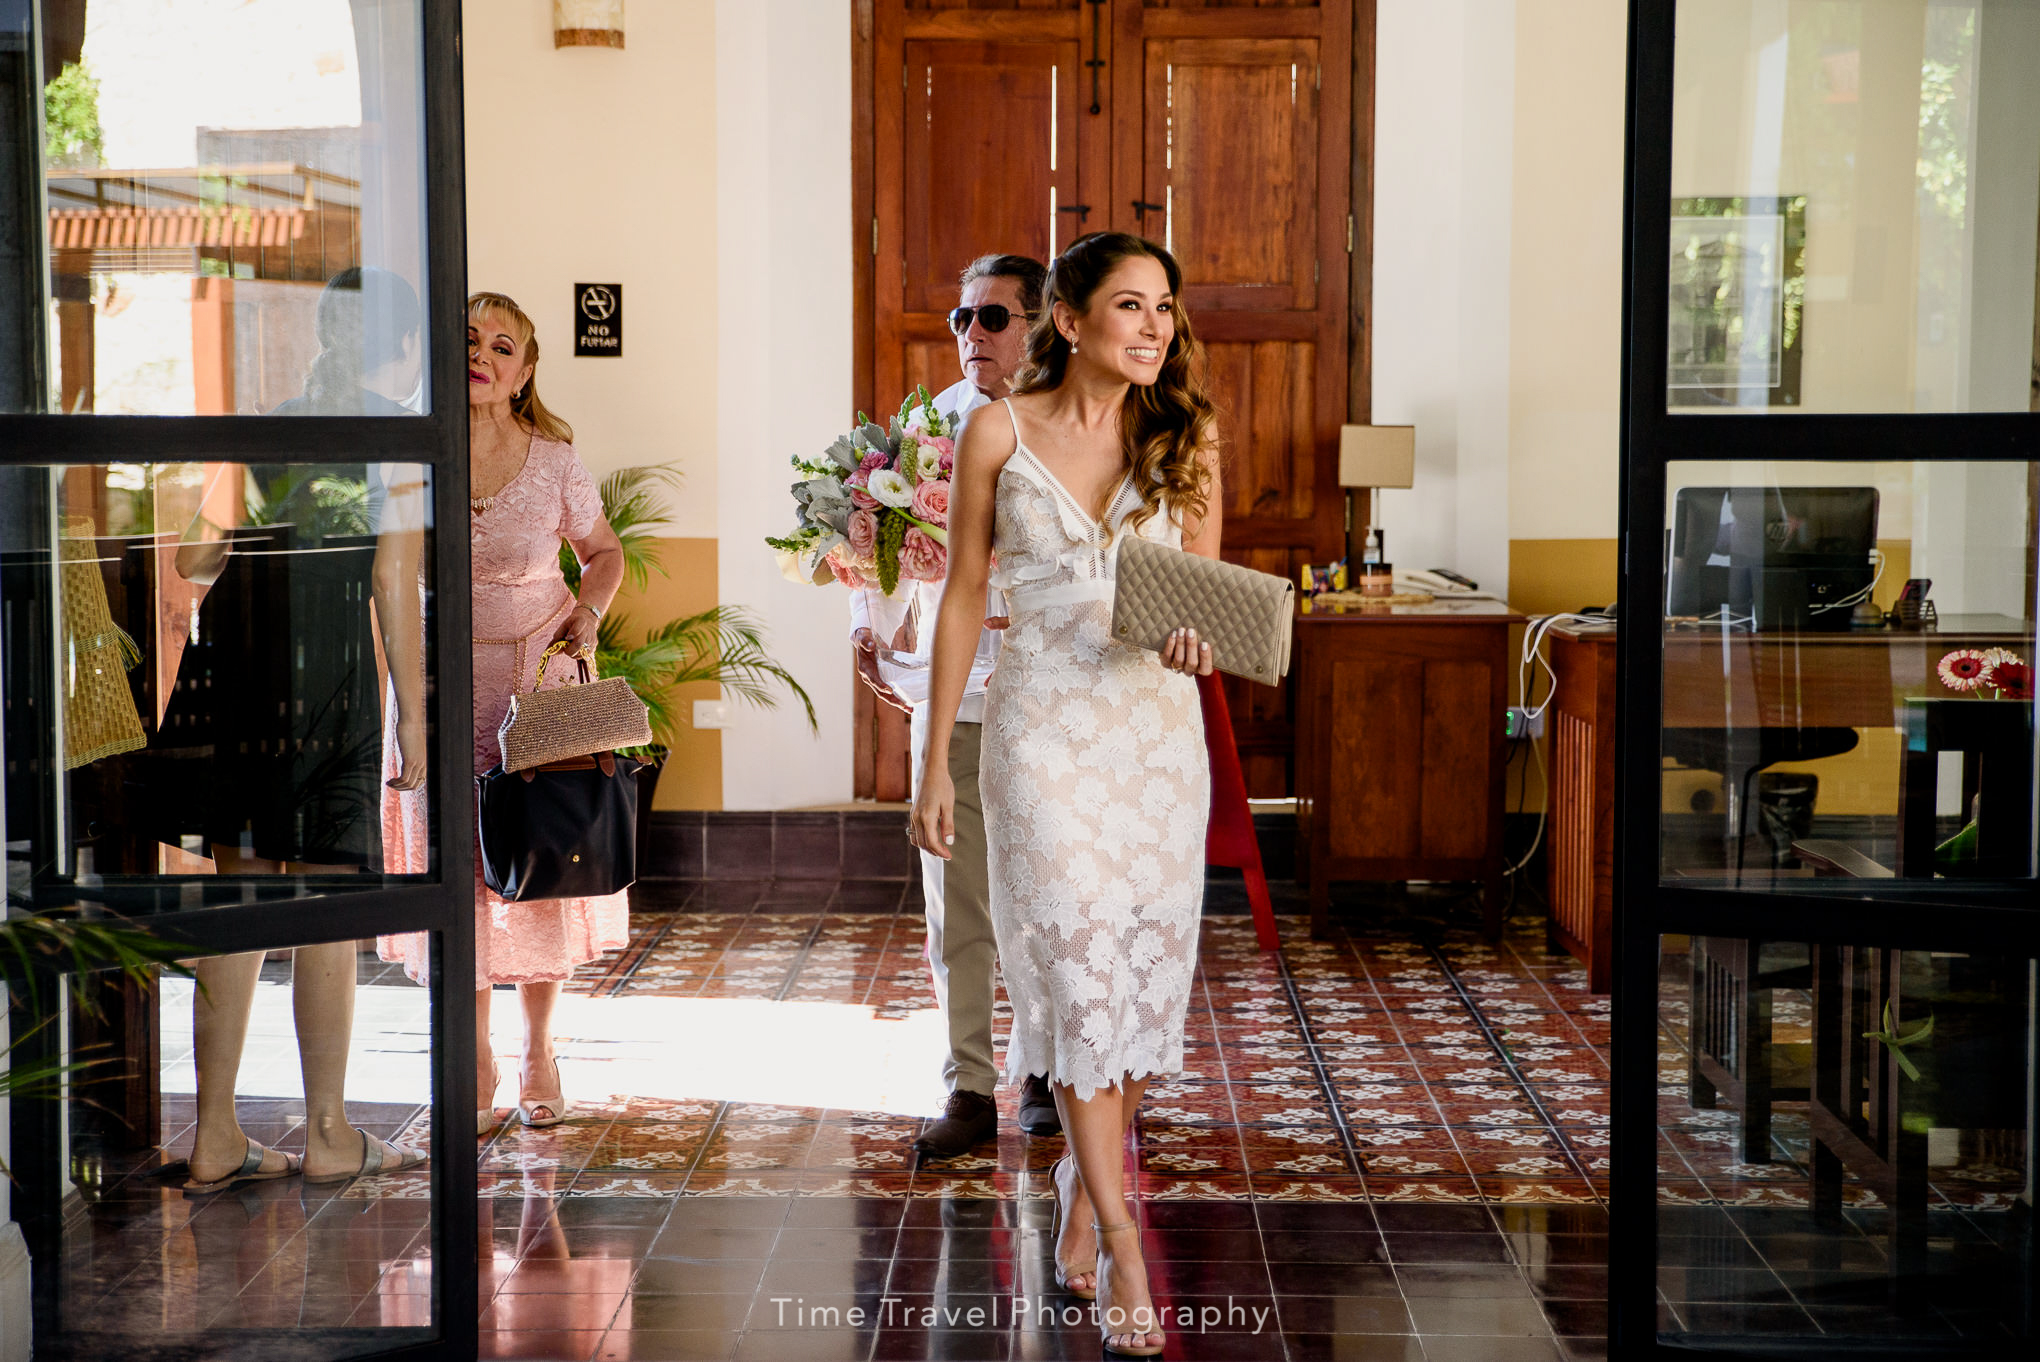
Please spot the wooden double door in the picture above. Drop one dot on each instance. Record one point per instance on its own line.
(1226, 132)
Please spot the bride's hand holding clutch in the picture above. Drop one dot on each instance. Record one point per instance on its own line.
(1184, 653)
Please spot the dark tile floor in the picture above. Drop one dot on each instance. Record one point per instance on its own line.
(1391, 1144)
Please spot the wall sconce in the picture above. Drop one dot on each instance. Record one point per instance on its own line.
(588, 23)
(1371, 457)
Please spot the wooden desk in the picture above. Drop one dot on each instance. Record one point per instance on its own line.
(1715, 681)
(1579, 799)
(1815, 680)
(1400, 748)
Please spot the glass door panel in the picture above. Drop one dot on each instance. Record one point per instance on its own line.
(1848, 683)
(1839, 1152)
(235, 209)
(213, 670)
(164, 1244)
(1855, 192)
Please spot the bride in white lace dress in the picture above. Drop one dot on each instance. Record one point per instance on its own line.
(1094, 777)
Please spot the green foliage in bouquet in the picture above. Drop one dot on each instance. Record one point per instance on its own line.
(724, 644)
(892, 532)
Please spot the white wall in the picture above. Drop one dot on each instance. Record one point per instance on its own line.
(1445, 86)
(1565, 238)
(783, 307)
(590, 165)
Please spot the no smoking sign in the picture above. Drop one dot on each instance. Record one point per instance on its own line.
(598, 319)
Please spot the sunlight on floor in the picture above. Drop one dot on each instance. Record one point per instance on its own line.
(660, 1049)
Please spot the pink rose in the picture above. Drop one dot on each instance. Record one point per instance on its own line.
(862, 532)
(944, 447)
(948, 461)
(922, 558)
(874, 461)
(931, 503)
(846, 575)
(863, 500)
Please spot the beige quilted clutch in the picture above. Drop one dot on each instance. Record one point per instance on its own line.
(1244, 615)
(572, 721)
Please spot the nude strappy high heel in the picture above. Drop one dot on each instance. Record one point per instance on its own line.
(555, 1108)
(1105, 1309)
(1065, 1271)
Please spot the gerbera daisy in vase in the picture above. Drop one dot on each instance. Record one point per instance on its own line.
(1963, 670)
(2012, 680)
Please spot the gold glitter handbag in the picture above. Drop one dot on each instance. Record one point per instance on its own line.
(572, 721)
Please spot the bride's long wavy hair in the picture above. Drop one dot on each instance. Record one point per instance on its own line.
(1163, 426)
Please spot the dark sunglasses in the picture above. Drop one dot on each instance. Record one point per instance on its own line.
(992, 316)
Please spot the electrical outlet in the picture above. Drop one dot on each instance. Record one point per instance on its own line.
(1521, 723)
(711, 714)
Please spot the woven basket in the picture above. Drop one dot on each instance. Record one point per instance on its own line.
(100, 718)
(572, 721)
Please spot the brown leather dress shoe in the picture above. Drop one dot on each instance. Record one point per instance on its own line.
(1038, 1115)
(968, 1119)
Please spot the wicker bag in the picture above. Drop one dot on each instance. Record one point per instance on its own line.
(100, 718)
(1244, 615)
(574, 721)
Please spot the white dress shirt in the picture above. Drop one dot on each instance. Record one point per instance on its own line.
(908, 673)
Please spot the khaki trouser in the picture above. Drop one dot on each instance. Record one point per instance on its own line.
(962, 953)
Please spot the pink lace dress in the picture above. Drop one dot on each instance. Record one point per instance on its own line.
(520, 600)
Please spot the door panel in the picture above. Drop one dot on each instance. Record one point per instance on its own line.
(1223, 114)
(1265, 427)
(990, 156)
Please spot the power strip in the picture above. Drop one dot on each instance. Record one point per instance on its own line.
(1523, 723)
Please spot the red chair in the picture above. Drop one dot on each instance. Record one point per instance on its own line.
(1230, 839)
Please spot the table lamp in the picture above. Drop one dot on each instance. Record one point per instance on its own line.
(1371, 457)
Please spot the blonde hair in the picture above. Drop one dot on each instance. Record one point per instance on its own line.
(525, 406)
(1163, 427)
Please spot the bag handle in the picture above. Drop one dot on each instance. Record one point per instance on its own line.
(546, 656)
(604, 762)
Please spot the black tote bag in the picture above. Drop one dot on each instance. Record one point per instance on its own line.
(567, 830)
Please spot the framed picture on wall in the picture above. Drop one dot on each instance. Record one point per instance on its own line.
(1737, 305)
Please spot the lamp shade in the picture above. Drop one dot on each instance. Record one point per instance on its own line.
(1377, 456)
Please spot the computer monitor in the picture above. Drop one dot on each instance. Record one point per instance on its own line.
(1771, 557)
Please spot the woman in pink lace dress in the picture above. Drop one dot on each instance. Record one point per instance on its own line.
(530, 492)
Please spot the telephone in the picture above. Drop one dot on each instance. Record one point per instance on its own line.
(1441, 582)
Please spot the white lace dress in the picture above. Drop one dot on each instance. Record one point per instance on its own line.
(1096, 793)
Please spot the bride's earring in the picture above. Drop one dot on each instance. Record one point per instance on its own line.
(1073, 345)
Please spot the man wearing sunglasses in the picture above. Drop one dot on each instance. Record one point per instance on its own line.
(1001, 294)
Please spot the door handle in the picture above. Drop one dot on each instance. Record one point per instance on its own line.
(1082, 210)
(1142, 208)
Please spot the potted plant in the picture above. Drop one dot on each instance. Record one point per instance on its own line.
(32, 948)
(723, 644)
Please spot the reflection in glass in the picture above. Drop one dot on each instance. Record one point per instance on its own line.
(163, 1237)
(215, 188)
(1856, 205)
(1847, 671)
(213, 670)
(1843, 1141)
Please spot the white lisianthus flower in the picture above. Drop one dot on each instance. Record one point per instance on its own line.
(891, 488)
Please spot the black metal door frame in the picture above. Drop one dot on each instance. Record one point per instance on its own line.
(446, 908)
(1959, 916)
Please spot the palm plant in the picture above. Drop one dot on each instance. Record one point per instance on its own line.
(723, 644)
(33, 947)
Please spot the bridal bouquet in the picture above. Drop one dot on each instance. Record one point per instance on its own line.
(874, 509)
